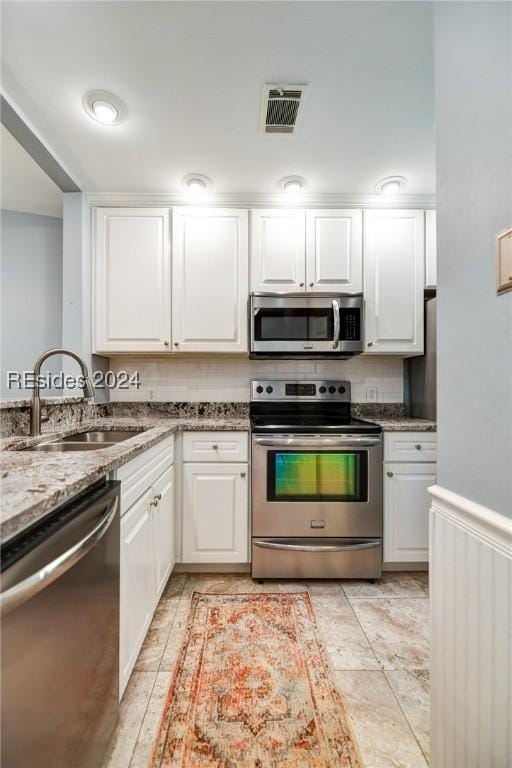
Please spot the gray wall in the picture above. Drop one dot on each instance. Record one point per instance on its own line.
(474, 202)
(31, 292)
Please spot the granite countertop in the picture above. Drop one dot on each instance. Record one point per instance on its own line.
(34, 483)
(405, 424)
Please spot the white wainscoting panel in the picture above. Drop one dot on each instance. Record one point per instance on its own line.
(471, 603)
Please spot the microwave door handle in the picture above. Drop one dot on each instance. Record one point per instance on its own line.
(337, 328)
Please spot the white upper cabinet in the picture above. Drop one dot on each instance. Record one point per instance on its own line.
(334, 256)
(131, 280)
(278, 250)
(210, 279)
(430, 250)
(394, 258)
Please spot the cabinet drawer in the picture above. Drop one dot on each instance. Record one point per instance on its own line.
(410, 446)
(140, 473)
(215, 446)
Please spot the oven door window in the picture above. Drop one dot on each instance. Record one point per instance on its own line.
(304, 324)
(317, 476)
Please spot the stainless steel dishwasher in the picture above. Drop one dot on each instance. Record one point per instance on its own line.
(59, 607)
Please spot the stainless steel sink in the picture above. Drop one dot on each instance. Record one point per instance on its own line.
(112, 436)
(86, 441)
(59, 447)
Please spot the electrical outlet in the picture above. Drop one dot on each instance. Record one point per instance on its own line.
(371, 394)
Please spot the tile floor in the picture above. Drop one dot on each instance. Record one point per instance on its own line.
(377, 640)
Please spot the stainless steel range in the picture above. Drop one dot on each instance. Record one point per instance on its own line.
(316, 483)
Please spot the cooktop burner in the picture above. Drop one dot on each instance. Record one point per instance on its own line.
(300, 407)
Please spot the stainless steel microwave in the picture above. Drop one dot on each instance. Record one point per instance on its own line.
(321, 325)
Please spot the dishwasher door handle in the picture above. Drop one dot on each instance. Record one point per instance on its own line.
(39, 580)
(317, 547)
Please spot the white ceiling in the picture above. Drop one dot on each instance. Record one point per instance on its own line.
(192, 75)
(24, 186)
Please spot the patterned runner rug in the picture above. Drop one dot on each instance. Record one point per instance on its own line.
(252, 689)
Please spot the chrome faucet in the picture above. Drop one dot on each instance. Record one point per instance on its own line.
(35, 416)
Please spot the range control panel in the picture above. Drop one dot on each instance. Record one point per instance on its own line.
(301, 390)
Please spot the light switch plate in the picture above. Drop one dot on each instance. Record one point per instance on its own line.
(504, 261)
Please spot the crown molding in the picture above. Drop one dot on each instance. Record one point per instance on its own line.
(241, 200)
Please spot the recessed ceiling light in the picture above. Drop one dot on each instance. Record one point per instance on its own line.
(391, 185)
(104, 107)
(196, 184)
(293, 185)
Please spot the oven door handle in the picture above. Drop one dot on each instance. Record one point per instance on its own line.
(337, 326)
(373, 544)
(292, 442)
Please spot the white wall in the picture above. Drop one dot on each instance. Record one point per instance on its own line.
(214, 379)
(474, 202)
(470, 525)
(31, 293)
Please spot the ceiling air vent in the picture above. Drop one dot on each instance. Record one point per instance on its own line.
(282, 106)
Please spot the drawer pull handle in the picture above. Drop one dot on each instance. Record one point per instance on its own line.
(418, 447)
(389, 474)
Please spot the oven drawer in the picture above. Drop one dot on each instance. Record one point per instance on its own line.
(333, 520)
(309, 558)
(410, 446)
(216, 446)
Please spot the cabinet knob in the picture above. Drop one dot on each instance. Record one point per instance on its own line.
(215, 447)
(311, 285)
(301, 285)
(176, 344)
(369, 344)
(166, 343)
(242, 474)
(418, 447)
(389, 474)
(158, 497)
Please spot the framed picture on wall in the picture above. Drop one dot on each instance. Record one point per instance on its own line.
(504, 261)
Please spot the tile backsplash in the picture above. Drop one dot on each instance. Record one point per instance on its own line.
(226, 379)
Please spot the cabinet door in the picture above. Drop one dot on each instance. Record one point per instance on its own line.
(394, 253)
(215, 513)
(132, 280)
(137, 600)
(163, 529)
(334, 256)
(430, 249)
(406, 507)
(210, 279)
(278, 250)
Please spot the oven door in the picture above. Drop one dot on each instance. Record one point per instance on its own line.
(317, 485)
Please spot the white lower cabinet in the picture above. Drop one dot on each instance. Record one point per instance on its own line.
(407, 502)
(147, 550)
(164, 541)
(137, 584)
(215, 499)
(215, 513)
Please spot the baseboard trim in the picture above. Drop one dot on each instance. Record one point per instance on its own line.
(405, 566)
(212, 568)
(487, 525)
